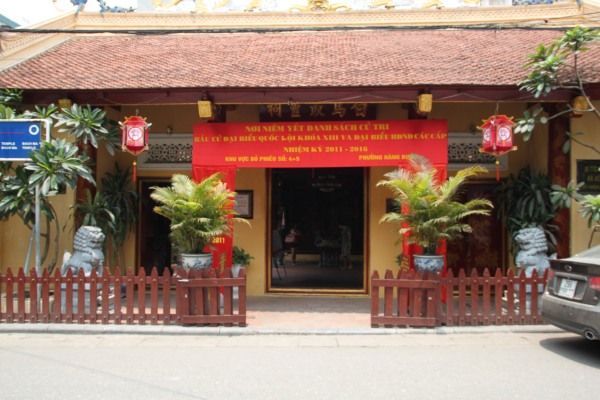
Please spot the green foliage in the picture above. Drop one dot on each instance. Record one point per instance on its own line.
(86, 124)
(555, 67)
(42, 112)
(7, 112)
(17, 196)
(57, 164)
(199, 212)
(561, 196)
(526, 124)
(94, 211)
(11, 96)
(547, 66)
(525, 201)
(590, 209)
(433, 214)
(241, 257)
(122, 201)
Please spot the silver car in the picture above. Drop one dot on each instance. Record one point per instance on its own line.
(572, 297)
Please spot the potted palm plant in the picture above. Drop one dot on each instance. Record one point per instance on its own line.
(199, 212)
(433, 213)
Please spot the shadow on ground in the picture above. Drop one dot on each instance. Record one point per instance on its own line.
(575, 348)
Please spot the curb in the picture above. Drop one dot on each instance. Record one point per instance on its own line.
(249, 331)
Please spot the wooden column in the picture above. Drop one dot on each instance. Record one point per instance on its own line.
(559, 171)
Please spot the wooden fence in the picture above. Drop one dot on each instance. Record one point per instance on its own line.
(115, 298)
(199, 296)
(412, 299)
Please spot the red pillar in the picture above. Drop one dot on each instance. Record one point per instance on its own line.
(559, 171)
(223, 246)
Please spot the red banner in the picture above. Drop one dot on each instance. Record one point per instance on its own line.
(319, 144)
(222, 246)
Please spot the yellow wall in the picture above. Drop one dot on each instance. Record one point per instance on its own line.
(253, 238)
(589, 125)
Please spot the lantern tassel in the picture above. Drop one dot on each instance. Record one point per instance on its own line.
(497, 170)
(134, 172)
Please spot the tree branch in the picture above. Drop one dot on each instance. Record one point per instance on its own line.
(589, 146)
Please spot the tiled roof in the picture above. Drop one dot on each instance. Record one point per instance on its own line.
(291, 59)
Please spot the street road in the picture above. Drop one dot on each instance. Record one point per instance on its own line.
(412, 366)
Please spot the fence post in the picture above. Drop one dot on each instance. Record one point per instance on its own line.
(166, 293)
(402, 298)
(93, 311)
(242, 296)
(416, 301)
(141, 286)
(486, 296)
(374, 297)
(474, 283)
(21, 296)
(213, 293)
(154, 296)
(81, 297)
(499, 289)
(9, 296)
(462, 297)
(33, 296)
(182, 301)
(105, 295)
(58, 300)
(388, 297)
(117, 279)
(227, 293)
(510, 297)
(130, 282)
(433, 298)
(45, 296)
(533, 315)
(449, 281)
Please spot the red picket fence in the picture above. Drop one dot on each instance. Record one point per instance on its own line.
(199, 296)
(111, 298)
(431, 300)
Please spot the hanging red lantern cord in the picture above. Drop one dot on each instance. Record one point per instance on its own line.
(134, 138)
(497, 138)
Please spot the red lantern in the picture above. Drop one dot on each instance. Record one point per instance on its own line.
(134, 134)
(497, 137)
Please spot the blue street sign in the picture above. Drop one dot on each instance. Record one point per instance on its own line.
(18, 138)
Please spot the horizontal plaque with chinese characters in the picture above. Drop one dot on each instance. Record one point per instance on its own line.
(317, 112)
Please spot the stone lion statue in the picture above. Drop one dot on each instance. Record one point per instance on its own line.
(533, 249)
(87, 252)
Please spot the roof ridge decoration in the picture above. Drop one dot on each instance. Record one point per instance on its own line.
(559, 14)
(207, 6)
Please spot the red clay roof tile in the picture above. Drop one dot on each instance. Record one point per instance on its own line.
(294, 59)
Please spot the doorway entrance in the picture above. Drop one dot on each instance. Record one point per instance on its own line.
(154, 245)
(317, 230)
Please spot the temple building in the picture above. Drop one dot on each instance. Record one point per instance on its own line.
(309, 103)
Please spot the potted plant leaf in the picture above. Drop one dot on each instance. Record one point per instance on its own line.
(526, 201)
(240, 259)
(433, 212)
(199, 212)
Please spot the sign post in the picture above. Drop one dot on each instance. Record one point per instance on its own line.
(18, 138)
